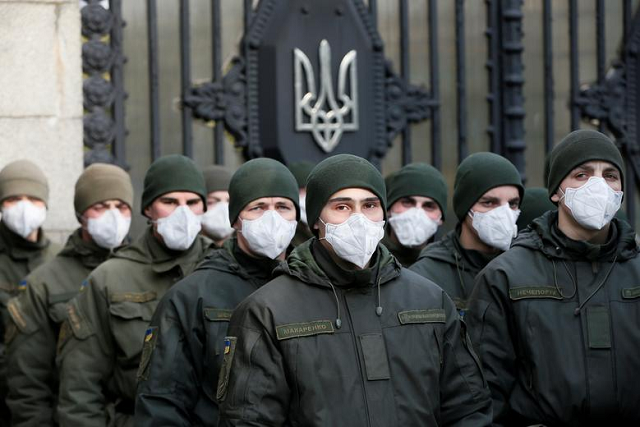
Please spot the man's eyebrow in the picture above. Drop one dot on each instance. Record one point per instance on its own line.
(515, 200)
(488, 199)
(168, 199)
(340, 199)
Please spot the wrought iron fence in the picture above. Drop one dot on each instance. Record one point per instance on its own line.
(608, 103)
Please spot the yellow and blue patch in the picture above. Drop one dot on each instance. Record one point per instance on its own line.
(22, 285)
(148, 336)
(83, 285)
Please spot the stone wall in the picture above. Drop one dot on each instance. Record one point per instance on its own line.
(41, 97)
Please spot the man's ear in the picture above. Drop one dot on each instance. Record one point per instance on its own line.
(555, 198)
(237, 224)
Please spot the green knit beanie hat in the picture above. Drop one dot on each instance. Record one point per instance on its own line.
(217, 178)
(479, 173)
(23, 177)
(417, 179)
(172, 173)
(534, 203)
(301, 171)
(578, 147)
(258, 178)
(100, 182)
(337, 173)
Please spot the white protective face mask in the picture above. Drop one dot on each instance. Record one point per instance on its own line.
(270, 234)
(413, 227)
(215, 221)
(109, 229)
(180, 229)
(356, 239)
(24, 217)
(303, 209)
(497, 227)
(594, 204)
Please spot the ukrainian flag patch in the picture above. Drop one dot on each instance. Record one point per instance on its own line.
(22, 285)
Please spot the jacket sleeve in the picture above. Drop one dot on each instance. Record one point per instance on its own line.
(465, 397)
(168, 378)
(31, 353)
(252, 386)
(490, 319)
(85, 360)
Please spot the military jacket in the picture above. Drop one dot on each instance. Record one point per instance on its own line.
(556, 324)
(181, 359)
(451, 267)
(101, 340)
(305, 350)
(32, 334)
(18, 257)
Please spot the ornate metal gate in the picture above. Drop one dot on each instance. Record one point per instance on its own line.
(233, 99)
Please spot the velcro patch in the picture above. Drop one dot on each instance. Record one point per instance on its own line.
(304, 329)
(225, 369)
(150, 338)
(631, 293)
(432, 315)
(217, 314)
(133, 296)
(81, 328)
(16, 314)
(525, 292)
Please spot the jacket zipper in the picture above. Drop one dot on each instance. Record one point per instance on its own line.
(355, 344)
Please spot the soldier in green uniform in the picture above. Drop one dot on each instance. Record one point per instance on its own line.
(486, 196)
(101, 339)
(301, 171)
(344, 335)
(24, 193)
(417, 197)
(555, 318)
(103, 200)
(181, 360)
(215, 222)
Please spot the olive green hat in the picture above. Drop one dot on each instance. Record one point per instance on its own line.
(23, 177)
(337, 173)
(172, 173)
(100, 182)
(301, 171)
(578, 147)
(258, 178)
(217, 178)
(417, 179)
(534, 203)
(479, 173)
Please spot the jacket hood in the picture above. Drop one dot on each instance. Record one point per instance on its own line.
(302, 265)
(543, 235)
(224, 259)
(450, 251)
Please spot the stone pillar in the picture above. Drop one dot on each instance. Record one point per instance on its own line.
(41, 97)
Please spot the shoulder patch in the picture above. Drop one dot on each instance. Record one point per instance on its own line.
(526, 292)
(22, 285)
(304, 329)
(217, 314)
(150, 338)
(432, 315)
(225, 369)
(631, 293)
(133, 296)
(20, 316)
(83, 285)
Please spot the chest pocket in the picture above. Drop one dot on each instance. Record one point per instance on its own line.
(130, 316)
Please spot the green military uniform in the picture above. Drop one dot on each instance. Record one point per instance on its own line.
(183, 353)
(179, 370)
(535, 203)
(36, 315)
(546, 361)
(101, 341)
(18, 256)
(292, 365)
(321, 345)
(452, 267)
(33, 333)
(414, 179)
(447, 262)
